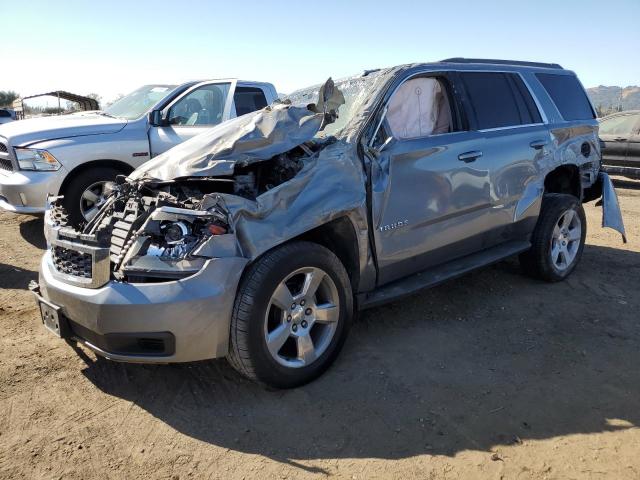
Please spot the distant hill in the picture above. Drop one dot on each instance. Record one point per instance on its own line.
(612, 99)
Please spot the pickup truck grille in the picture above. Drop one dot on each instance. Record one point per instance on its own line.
(71, 262)
(5, 164)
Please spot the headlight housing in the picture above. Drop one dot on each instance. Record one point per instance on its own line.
(172, 244)
(36, 159)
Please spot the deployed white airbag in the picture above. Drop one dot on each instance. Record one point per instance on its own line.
(419, 108)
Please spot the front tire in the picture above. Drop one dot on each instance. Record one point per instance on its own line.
(85, 193)
(558, 239)
(291, 315)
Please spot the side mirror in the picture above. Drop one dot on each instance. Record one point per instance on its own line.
(155, 118)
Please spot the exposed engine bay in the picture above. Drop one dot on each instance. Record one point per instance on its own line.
(157, 229)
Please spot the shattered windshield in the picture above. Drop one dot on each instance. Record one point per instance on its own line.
(356, 90)
(138, 102)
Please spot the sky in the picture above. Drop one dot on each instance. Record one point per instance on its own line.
(115, 46)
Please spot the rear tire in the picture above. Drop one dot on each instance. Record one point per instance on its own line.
(73, 201)
(558, 239)
(291, 315)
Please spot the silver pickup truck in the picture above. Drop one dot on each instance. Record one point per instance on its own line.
(78, 155)
(259, 239)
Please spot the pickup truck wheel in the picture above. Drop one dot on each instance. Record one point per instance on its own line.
(291, 315)
(558, 239)
(85, 194)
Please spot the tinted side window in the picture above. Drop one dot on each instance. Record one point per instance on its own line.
(568, 95)
(5, 114)
(499, 100)
(528, 110)
(249, 99)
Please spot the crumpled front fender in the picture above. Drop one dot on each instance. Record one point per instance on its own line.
(611, 214)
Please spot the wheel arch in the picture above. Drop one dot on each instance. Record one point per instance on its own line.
(564, 179)
(123, 167)
(338, 236)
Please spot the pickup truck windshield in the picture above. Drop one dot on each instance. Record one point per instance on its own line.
(138, 102)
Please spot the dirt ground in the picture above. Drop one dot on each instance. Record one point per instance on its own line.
(493, 375)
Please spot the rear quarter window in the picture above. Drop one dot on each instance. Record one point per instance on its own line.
(568, 95)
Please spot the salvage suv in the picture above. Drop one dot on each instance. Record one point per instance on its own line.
(260, 239)
(79, 155)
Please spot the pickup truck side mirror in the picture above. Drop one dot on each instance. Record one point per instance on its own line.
(155, 118)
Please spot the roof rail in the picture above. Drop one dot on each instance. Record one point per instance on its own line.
(501, 62)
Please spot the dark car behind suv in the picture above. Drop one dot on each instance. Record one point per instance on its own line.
(620, 133)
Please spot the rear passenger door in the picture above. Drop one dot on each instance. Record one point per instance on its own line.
(501, 107)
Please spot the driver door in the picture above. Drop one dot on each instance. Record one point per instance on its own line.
(430, 193)
(197, 110)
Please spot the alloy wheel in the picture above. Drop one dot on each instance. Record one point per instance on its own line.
(93, 198)
(302, 317)
(565, 241)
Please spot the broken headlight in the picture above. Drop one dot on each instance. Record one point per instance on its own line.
(170, 244)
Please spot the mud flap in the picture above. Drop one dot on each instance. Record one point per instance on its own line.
(611, 214)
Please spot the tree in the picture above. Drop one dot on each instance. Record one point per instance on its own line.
(96, 97)
(7, 97)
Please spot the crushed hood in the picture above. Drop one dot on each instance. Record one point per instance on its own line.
(23, 133)
(253, 137)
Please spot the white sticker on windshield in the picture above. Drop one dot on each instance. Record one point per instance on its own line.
(159, 89)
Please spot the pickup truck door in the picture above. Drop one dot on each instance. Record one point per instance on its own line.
(615, 132)
(196, 110)
(430, 192)
(204, 106)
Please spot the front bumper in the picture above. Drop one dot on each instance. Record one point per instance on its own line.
(195, 312)
(26, 191)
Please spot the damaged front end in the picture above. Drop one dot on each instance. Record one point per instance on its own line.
(189, 205)
(153, 230)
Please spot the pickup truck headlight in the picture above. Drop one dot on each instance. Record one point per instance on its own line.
(35, 159)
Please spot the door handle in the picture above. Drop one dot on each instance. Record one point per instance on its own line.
(538, 144)
(468, 157)
(620, 139)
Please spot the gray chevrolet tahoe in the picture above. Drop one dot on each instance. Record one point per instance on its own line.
(260, 239)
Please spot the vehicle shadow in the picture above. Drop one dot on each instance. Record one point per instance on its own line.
(490, 359)
(32, 231)
(15, 277)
